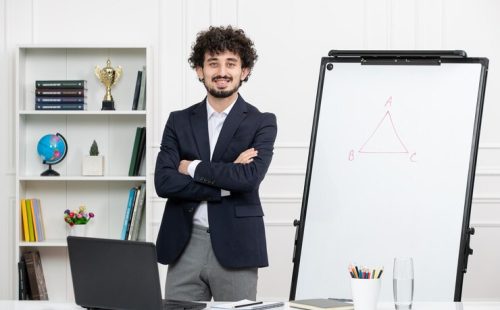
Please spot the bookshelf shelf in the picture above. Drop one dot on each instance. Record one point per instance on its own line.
(90, 113)
(46, 243)
(114, 131)
(83, 179)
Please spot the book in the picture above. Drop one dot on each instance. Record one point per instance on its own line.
(133, 213)
(74, 84)
(30, 221)
(33, 218)
(24, 293)
(60, 106)
(321, 304)
(24, 215)
(60, 92)
(128, 210)
(137, 220)
(135, 150)
(141, 105)
(140, 151)
(36, 278)
(35, 203)
(41, 217)
(137, 90)
(246, 304)
(39, 99)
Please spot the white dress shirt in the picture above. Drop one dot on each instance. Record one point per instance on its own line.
(215, 122)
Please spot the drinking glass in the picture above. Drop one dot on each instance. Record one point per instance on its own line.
(402, 283)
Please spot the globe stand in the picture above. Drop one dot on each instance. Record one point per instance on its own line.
(50, 172)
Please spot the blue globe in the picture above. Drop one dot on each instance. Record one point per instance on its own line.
(52, 148)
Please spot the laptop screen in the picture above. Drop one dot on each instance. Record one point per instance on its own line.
(114, 274)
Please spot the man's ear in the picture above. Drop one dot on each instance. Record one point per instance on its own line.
(244, 73)
(199, 72)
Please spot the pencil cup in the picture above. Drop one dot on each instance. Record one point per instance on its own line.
(365, 293)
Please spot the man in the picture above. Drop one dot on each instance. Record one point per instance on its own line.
(213, 157)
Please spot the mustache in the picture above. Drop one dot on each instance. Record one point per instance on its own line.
(217, 77)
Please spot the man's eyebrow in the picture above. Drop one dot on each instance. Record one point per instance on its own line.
(232, 59)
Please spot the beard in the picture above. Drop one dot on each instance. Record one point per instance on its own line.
(221, 93)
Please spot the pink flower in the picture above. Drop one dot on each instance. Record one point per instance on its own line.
(79, 216)
(91, 215)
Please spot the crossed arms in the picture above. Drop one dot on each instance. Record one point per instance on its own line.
(244, 174)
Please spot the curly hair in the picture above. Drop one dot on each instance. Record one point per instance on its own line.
(216, 40)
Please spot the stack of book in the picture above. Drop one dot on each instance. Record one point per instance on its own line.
(133, 220)
(61, 95)
(31, 279)
(31, 214)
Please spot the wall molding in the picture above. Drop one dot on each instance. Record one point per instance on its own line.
(297, 199)
(485, 224)
(488, 171)
(486, 199)
(278, 199)
(489, 146)
(286, 171)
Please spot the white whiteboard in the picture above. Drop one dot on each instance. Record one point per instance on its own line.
(389, 176)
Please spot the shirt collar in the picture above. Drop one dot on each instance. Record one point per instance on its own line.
(211, 111)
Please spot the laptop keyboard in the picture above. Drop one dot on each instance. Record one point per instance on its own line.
(183, 305)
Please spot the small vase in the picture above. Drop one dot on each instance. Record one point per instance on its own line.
(78, 230)
(93, 165)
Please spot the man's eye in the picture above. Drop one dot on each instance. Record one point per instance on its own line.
(231, 65)
(213, 64)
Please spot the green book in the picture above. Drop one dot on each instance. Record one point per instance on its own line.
(141, 104)
(320, 304)
(75, 84)
(30, 221)
(140, 151)
(135, 150)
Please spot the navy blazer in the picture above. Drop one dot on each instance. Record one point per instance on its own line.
(236, 224)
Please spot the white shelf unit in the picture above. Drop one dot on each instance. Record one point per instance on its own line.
(114, 132)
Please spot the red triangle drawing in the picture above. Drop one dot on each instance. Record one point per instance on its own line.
(384, 139)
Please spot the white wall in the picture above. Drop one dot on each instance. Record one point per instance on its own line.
(291, 36)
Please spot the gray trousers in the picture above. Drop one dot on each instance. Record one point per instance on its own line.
(198, 276)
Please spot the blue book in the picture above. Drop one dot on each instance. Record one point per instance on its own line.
(128, 212)
(75, 84)
(40, 99)
(35, 203)
(60, 106)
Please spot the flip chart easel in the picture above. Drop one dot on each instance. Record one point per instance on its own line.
(390, 171)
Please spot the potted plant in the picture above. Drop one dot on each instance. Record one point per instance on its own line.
(93, 164)
(77, 221)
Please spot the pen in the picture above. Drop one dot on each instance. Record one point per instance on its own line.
(380, 273)
(250, 304)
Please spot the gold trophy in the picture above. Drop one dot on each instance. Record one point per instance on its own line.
(108, 76)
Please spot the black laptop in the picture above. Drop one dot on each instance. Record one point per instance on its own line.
(118, 274)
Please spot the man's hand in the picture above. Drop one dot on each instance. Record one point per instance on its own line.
(183, 166)
(246, 157)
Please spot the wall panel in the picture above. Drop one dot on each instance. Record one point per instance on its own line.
(290, 36)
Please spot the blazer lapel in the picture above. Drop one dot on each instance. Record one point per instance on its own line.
(232, 122)
(199, 125)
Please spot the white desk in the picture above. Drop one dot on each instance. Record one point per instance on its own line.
(47, 305)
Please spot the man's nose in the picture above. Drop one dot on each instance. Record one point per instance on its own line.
(222, 70)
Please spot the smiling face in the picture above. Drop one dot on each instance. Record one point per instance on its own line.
(222, 74)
